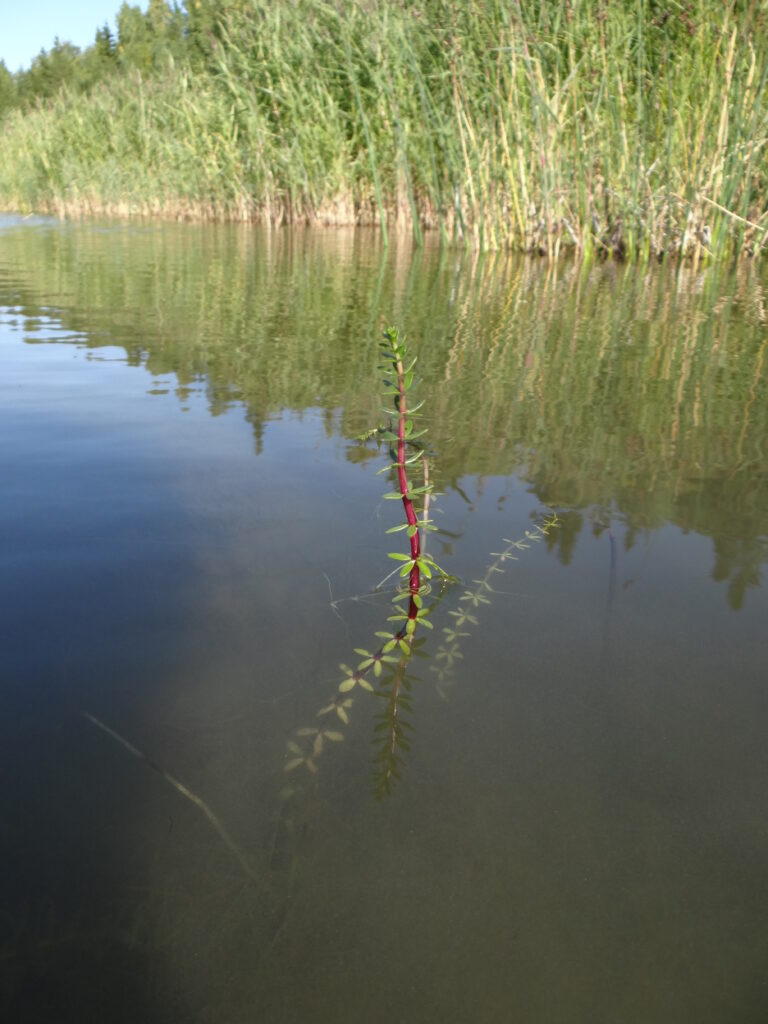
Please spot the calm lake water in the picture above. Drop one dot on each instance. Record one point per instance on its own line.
(190, 543)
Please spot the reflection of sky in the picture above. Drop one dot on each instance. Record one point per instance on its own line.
(134, 523)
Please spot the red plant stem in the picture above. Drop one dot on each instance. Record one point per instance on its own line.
(414, 581)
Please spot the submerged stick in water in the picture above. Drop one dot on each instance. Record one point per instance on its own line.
(225, 837)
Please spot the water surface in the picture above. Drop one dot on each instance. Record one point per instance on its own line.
(191, 541)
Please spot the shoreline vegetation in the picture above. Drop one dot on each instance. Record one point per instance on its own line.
(634, 130)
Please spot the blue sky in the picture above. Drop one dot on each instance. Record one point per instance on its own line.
(28, 26)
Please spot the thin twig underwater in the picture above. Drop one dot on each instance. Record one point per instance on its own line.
(188, 794)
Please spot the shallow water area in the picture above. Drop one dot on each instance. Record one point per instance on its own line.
(191, 542)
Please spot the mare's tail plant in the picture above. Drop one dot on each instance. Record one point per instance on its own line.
(398, 642)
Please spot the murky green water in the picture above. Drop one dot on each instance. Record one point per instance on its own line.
(189, 541)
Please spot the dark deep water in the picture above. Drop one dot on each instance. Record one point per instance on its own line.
(189, 538)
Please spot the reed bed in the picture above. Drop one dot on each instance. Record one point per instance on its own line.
(637, 129)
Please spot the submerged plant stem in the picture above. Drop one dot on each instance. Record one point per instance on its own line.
(402, 479)
(187, 793)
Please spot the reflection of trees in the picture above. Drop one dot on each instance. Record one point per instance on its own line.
(638, 390)
(563, 540)
(738, 556)
(739, 563)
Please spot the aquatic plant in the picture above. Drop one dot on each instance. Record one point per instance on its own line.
(473, 598)
(387, 663)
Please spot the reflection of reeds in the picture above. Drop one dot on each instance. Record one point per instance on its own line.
(538, 127)
(642, 391)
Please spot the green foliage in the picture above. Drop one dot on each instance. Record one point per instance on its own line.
(389, 664)
(8, 95)
(146, 42)
(49, 72)
(638, 129)
(389, 661)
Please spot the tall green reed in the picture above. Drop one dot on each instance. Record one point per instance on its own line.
(624, 128)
